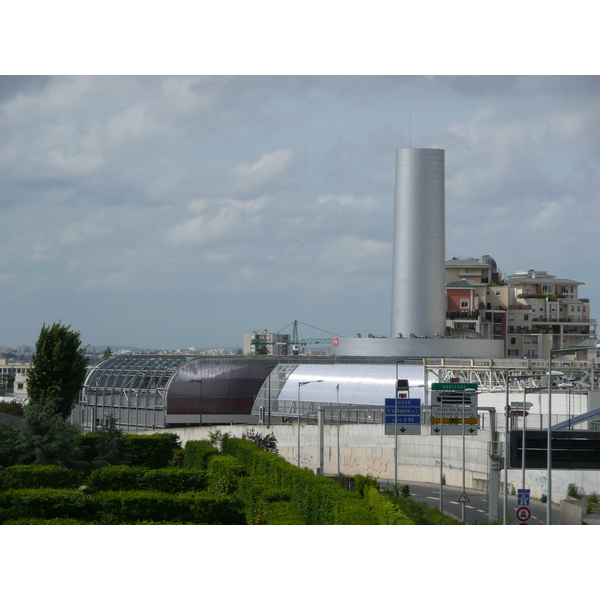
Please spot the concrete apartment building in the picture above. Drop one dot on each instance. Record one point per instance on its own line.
(531, 311)
(275, 343)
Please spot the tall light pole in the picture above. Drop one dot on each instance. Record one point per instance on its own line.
(509, 378)
(300, 384)
(337, 399)
(271, 367)
(553, 354)
(200, 382)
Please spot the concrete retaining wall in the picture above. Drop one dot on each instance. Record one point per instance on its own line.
(365, 450)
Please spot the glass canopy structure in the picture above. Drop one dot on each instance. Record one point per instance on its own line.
(158, 391)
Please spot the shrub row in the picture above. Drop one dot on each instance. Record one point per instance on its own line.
(316, 499)
(264, 504)
(224, 473)
(363, 482)
(197, 454)
(40, 476)
(419, 512)
(386, 511)
(124, 478)
(119, 508)
(114, 477)
(154, 451)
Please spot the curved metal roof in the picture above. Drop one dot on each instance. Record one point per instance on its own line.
(362, 385)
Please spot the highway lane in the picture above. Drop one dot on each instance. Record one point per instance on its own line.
(477, 507)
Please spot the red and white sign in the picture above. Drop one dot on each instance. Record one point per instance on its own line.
(523, 513)
(336, 341)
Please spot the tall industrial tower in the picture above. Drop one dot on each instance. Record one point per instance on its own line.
(418, 277)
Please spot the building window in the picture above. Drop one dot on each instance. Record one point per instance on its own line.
(513, 340)
(513, 352)
(464, 303)
(525, 317)
(498, 293)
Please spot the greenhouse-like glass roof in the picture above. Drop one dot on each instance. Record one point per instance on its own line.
(135, 371)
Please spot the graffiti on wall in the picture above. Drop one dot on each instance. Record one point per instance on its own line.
(371, 464)
(306, 460)
(376, 464)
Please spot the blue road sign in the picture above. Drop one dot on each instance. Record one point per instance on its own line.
(523, 497)
(401, 412)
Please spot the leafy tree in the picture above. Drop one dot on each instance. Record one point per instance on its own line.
(262, 350)
(106, 354)
(46, 438)
(58, 369)
(110, 447)
(264, 442)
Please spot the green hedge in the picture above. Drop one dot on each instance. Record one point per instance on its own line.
(191, 507)
(174, 480)
(256, 494)
(386, 511)
(123, 478)
(197, 454)
(282, 513)
(153, 451)
(115, 478)
(44, 503)
(119, 508)
(37, 521)
(419, 512)
(317, 499)
(224, 473)
(40, 476)
(362, 483)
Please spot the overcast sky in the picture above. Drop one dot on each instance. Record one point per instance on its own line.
(169, 212)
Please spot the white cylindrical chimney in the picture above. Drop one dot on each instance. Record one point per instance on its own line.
(418, 277)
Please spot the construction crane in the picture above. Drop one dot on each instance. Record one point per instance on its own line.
(294, 342)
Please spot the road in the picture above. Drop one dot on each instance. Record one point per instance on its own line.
(477, 507)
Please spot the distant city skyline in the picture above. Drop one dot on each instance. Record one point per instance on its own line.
(170, 212)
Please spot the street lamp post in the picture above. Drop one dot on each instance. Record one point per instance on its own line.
(300, 384)
(337, 396)
(200, 382)
(271, 367)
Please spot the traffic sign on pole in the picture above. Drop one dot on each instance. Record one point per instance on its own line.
(402, 416)
(523, 497)
(523, 513)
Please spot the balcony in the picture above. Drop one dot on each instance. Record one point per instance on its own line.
(471, 315)
(555, 319)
